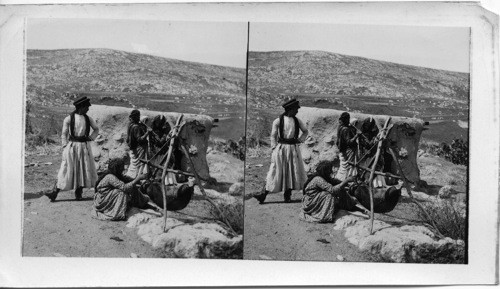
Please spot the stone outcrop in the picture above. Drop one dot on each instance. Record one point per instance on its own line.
(184, 240)
(113, 122)
(323, 123)
(405, 244)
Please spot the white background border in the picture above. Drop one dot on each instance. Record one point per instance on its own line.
(70, 272)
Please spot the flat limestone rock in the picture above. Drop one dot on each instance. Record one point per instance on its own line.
(199, 240)
(323, 123)
(405, 244)
(113, 122)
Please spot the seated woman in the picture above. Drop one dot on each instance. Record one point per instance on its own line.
(324, 195)
(115, 193)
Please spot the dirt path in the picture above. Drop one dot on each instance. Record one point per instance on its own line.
(274, 231)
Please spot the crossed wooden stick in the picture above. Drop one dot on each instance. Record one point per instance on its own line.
(173, 135)
(381, 137)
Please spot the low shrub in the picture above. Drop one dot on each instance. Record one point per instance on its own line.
(42, 131)
(457, 152)
(237, 149)
(37, 140)
(233, 212)
(450, 219)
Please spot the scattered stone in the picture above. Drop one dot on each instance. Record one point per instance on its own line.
(330, 140)
(420, 153)
(134, 255)
(237, 189)
(118, 137)
(340, 258)
(99, 140)
(446, 192)
(310, 141)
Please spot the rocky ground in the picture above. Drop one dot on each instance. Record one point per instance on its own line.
(274, 231)
(66, 228)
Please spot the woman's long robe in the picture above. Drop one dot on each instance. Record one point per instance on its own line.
(113, 197)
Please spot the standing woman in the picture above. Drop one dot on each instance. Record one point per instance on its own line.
(286, 172)
(347, 144)
(137, 140)
(78, 169)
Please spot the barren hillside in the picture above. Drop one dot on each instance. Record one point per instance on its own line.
(320, 73)
(50, 73)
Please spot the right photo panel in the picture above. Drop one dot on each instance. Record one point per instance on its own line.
(357, 143)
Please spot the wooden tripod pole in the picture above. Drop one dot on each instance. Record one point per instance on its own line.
(164, 173)
(372, 172)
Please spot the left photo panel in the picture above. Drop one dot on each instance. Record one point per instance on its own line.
(135, 138)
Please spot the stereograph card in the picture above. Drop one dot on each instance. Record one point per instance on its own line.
(249, 144)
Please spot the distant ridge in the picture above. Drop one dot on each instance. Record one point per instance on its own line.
(274, 73)
(50, 73)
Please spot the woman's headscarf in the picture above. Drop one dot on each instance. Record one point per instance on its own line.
(343, 124)
(324, 170)
(344, 118)
(369, 128)
(115, 167)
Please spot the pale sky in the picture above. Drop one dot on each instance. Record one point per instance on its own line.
(434, 47)
(206, 42)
